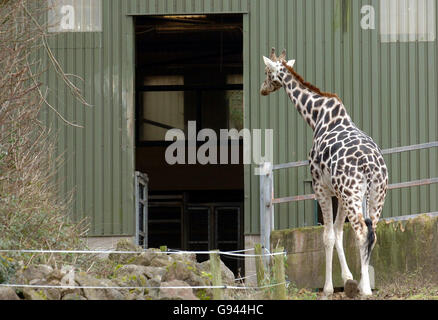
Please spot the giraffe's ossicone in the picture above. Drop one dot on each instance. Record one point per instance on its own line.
(344, 163)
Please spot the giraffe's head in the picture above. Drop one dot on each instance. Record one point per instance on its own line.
(275, 72)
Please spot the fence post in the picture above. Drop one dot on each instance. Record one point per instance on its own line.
(278, 274)
(215, 268)
(260, 270)
(266, 206)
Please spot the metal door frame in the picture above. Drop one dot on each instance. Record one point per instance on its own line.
(141, 179)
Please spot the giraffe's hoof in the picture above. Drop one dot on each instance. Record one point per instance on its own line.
(366, 293)
(351, 288)
(328, 290)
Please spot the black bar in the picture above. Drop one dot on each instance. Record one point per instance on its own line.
(158, 124)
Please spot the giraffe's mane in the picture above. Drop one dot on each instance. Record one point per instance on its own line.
(308, 85)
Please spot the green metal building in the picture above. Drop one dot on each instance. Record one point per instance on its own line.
(380, 57)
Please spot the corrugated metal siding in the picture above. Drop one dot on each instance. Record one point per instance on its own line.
(290, 25)
(98, 159)
(388, 88)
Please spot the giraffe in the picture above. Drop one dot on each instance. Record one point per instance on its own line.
(344, 163)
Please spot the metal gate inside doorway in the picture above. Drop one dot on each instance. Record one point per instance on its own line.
(181, 221)
(213, 226)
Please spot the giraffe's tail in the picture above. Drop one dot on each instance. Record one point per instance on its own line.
(371, 237)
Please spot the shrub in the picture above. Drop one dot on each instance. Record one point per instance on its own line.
(32, 216)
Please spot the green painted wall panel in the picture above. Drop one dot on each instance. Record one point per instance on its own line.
(389, 90)
(98, 163)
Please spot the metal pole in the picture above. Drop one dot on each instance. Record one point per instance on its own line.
(266, 206)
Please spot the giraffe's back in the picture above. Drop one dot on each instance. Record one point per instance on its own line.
(348, 162)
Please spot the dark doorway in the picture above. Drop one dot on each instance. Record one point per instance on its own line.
(190, 68)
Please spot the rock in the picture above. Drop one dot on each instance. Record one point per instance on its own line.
(188, 272)
(226, 273)
(68, 280)
(135, 296)
(137, 270)
(162, 261)
(8, 294)
(167, 293)
(140, 276)
(37, 282)
(32, 294)
(124, 258)
(150, 268)
(132, 269)
(131, 281)
(156, 284)
(152, 257)
(183, 256)
(157, 272)
(67, 269)
(185, 271)
(127, 245)
(84, 280)
(33, 272)
(351, 288)
(144, 259)
(44, 293)
(73, 296)
(55, 275)
(52, 293)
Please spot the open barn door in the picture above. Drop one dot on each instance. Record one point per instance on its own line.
(189, 70)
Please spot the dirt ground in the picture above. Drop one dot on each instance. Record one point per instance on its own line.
(413, 286)
(418, 285)
(398, 290)
(404, 287)
(390, 294)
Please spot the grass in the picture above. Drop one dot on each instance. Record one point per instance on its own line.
(412, 286)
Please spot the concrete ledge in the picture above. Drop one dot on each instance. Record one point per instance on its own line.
(402, 246)
(106, 243)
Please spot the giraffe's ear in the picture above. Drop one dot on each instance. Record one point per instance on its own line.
(291, 63)
(269, 63)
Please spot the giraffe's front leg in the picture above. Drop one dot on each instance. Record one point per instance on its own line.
(325, 202)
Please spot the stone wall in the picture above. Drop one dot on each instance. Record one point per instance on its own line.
(147, 275)
(402, 247)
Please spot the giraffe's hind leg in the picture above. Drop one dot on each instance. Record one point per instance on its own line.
(362, 232)
(375, 211)
(339, 232)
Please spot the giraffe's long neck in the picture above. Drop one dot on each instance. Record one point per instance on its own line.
(311, 105)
